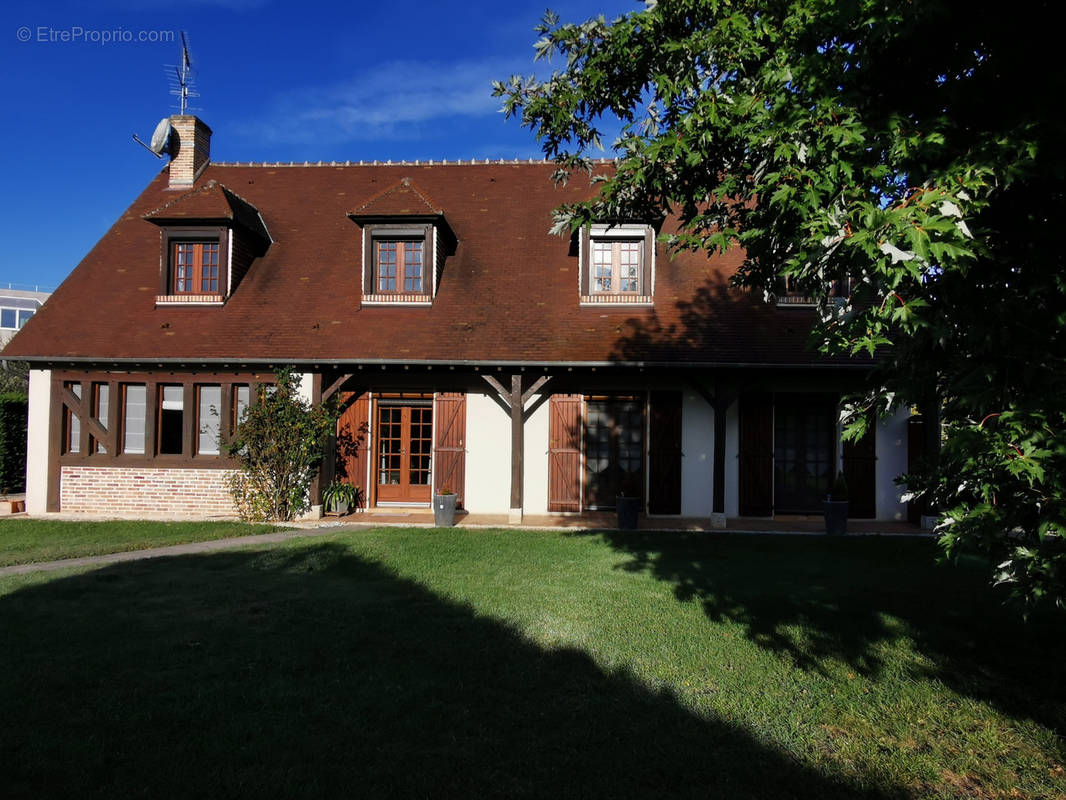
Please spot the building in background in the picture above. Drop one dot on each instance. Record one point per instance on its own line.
(17, 305)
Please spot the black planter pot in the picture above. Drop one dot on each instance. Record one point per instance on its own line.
(444, 510)
(836, 517)
(627, 512)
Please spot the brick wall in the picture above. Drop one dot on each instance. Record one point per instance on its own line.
(126, 490)
(193, 150)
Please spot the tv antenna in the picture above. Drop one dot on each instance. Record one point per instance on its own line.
(181, 85)
(181, 81)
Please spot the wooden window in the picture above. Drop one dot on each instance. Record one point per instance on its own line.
(195, 267)
(170, 422)
(617, 266)
(169, 418)
(399, 266)
(791, 292)
(133, 417)
(208, 419)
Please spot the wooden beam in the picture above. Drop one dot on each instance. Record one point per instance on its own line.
(324, 473)
(718, 498)
(528, 393)
(335, 386)
(80, 408)
(504, 394)
(702, 391)
(517, 444)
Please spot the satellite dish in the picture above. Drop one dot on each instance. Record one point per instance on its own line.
(161, 137)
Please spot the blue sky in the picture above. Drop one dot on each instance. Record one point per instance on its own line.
(277, 82)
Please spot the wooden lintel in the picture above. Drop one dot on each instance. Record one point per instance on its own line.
(528, 393)
(335, 386)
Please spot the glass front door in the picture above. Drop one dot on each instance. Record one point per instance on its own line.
(804, 450)
(614, 451)
(404, 450)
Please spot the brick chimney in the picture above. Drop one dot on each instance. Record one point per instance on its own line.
(190, 145)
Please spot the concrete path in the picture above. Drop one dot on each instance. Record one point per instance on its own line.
(170, 550)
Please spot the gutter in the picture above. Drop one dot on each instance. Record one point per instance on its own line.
(318, 363)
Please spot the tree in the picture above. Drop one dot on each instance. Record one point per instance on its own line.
(914, 148)
(278, 446)
(14, 377)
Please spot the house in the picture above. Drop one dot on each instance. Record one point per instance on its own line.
(530, 373)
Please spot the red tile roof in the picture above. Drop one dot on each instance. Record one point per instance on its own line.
(402, 198)
(509, 293)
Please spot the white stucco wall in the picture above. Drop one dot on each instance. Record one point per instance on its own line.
(40, 404)
(697, 463)
(891, 463)
(535, 471)
(306, 386)
(488, 456)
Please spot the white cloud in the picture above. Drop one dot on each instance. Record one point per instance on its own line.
(388, 100)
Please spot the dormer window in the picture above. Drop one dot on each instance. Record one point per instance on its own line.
(196, 265)
(405, 242)
(617, 264)
(209, 237)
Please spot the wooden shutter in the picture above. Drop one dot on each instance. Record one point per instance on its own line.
(564, 452)
(449, 457)
(664, 454)
(353, 442)
(860, 471)
(756, 455)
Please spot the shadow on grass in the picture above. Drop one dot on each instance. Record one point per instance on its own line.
(306, 671)
(818, 599)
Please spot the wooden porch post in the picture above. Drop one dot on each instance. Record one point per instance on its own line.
(719, 459)
(517, 450)
(515, 400)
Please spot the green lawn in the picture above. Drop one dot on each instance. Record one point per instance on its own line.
(23, 541)
(458, 663)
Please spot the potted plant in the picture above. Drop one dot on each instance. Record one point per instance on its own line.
(444, 508)
(836, 508)
(340, 497)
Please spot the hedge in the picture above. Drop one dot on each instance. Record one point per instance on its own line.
(12, 442)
